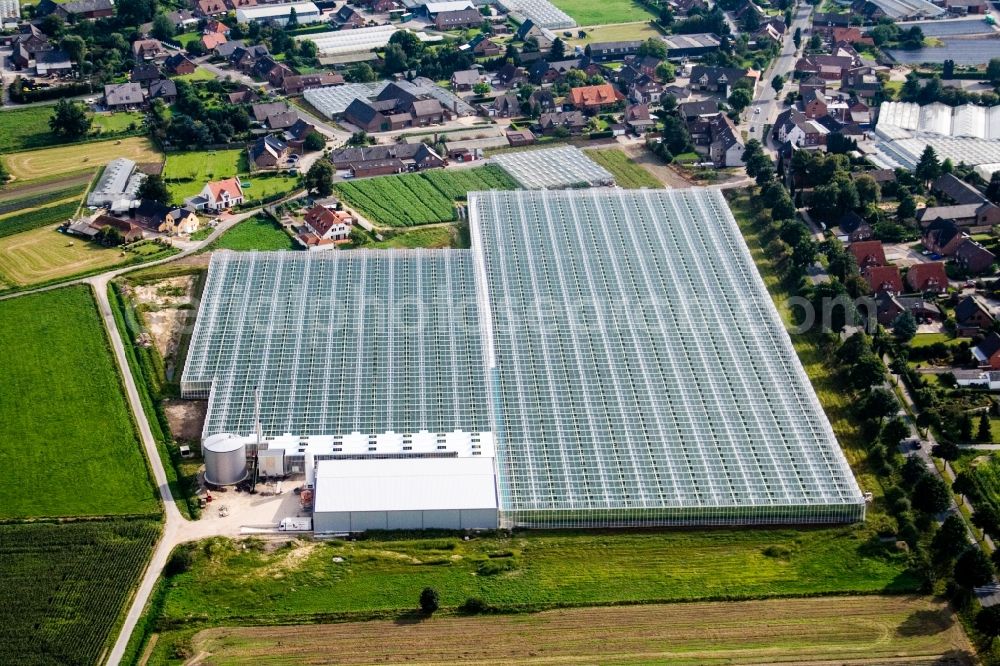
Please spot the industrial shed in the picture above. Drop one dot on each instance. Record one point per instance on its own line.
(424, 493)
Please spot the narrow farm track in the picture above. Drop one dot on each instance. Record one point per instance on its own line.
(842, 630)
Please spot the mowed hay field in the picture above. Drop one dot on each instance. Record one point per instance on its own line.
(627, 173)
(837, 630)
(589, 12)
(45, 254)
(65, 429)
(67, 159)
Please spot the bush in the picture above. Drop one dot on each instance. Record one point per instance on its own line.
(429, 601)
(180, 561)
(474, 606)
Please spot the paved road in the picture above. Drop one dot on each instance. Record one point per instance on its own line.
(766, 101)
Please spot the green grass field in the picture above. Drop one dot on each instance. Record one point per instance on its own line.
(257, 233)
(187, 173)
(419, 198)
(627, 173)
(28, 128)
(198, 75)
(64, 587)
(64, 423)
(588, 12)
(529, 571)
(431, 237)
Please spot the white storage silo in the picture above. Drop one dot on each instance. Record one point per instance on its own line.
(225, 459)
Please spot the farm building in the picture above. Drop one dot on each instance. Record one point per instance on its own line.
(624, 402)
(305, 12)
(552, 168)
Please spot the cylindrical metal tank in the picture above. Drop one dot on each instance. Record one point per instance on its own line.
(225, 459)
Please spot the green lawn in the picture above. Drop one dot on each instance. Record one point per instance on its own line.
(627, 173)
(589, 12)
(257, 233)
(28, 128)
(432, 237)
(186, 38)
(232, 583)
(257, 187)
(110, 123)
(186, 173)
(197, 75)
(927, 339)
(65, 429)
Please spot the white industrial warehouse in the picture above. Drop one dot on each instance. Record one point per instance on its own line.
(598, 358)
(305, 12)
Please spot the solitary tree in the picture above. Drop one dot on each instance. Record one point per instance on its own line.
(4, 176)
(993, 189)
(983, 434)
(988, 622)
(360, 138)
(293, 20)
(154, 189)
(797, 37)
(993, 70)
(319, 178)
(905, 326)
(429, 600)
(740, 99)
(314, 141)
(948, 69)
(778, 82)
(558, 50)
(928, 167)
(481, 88)
(162, 27)
(69, 120)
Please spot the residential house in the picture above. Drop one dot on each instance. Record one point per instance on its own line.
(145, 74)
(862, 82)
(211, 7)
(592, 99)
(719, 79)
(638, 119)
(218, 195)
(295, 136)
(129, 230)
(324, 227)
(124, 96)
(854, 227)
(965, 7)
(216, 27)
(347, 18)
(529, 30)
(281, 120)
(211, 40)
(465, 79)
(983, 215)
(179, 64)
(244, 58)
(268, 152)
(726, 148)
(458, 20)
(27, 44)
(829, 67)
(542, 101)
(972, 316)
(691, 110)
(164, 89)
(243, 95)
(227, 49)
(868, 253)
(927, 277)
(973, 257)
(483, 47)
(504, 106)
(162, 219)
(942, 237)
(144, 50)
(889, 306)
(260, 112)
(811, 83)
(645, 90)
(509, 75)
(642, 64)
(542, 72)
(794, 127)
(296, 84)
(987, 352)
(411, 156)
(883, 278)
(572, 121)
(814, 104)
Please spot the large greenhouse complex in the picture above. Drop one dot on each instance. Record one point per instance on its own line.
(598, 358)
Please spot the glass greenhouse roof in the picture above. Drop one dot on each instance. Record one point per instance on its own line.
(640, 372)
(362, 341)
(553, 168)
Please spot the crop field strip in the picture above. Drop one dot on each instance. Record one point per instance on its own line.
(63, 586)
(801, 630)
(42, 187)
(40, 199)
(419, 198)
(38, 217)
(64, 423)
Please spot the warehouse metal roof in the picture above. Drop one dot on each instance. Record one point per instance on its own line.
(642, 374)
(411, 484)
